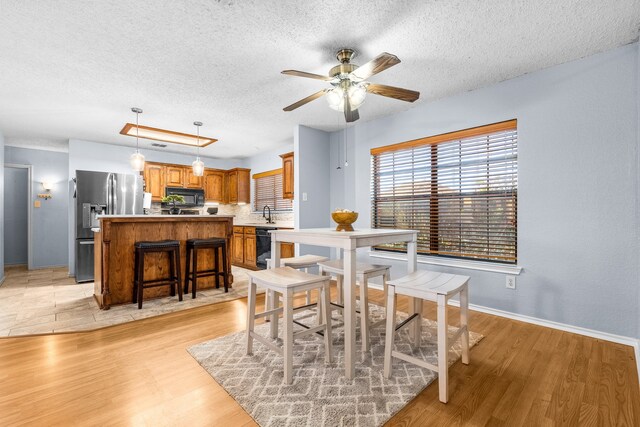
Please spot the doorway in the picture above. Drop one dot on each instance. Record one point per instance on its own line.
(17, 215)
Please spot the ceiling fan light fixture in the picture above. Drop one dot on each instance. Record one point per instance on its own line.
(335, 98)
(357, 94)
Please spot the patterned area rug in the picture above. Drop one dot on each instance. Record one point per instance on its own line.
(320, 394)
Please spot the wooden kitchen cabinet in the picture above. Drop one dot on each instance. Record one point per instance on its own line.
(237, 249)
(238, 186)
(287, 250)
(250, 249)
(287, 175)
(213, 185)
(174, 176)
(222, 186)
(243, 253)
(190, 180)
(154, 180)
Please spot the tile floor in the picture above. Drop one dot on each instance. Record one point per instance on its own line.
(46, 301)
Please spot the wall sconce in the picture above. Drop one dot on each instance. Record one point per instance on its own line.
(48, 186)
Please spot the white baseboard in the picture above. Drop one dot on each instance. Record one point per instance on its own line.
(44, 267)
(605, 336)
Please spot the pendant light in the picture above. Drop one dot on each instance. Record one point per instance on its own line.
(137, 159)
(198, 165)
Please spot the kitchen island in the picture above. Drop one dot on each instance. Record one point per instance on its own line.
(114, 251)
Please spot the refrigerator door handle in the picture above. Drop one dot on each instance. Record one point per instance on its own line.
(110, 201)
(86, 242)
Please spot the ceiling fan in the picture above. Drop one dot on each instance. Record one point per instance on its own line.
(349, 86)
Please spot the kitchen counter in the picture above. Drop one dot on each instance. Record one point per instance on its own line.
(114, 251)
(277, 224)
(165, 216)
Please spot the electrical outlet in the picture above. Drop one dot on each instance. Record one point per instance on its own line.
(511, 282)
(304, 197)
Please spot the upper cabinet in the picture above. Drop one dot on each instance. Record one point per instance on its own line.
(174, 176)
(287, 175)
(190, 180)
(214, 185)
(154, 180)
(221, 186)
(238, 186)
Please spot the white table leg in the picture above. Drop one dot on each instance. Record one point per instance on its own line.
(414, 303)
(349, 312)
(275, 252)
(288, 337)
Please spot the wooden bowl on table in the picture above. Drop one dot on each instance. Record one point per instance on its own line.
(344, 220)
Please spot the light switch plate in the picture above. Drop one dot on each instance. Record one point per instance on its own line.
(304, 197)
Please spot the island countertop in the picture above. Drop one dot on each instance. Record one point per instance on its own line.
(114, 251)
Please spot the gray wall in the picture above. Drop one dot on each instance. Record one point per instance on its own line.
(95, 156)
(265, 161)
(638, 185)
(1, 209)
(312, 155)
(49, 223)
(578, 219)
(16, 224)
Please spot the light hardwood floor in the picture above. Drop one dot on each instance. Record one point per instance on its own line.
(139, 373)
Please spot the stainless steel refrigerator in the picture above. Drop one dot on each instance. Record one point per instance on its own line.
(99, 193)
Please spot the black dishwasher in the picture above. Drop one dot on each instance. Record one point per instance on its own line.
(263, 246)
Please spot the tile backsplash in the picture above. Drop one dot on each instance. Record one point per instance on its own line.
(243, 213)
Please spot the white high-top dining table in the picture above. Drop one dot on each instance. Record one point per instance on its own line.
(348, 241)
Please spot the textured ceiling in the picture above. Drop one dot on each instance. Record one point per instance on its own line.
(72, 69)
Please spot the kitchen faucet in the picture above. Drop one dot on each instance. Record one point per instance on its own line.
(264, 216)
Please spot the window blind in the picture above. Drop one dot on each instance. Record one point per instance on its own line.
(459, 190)
(268, 191)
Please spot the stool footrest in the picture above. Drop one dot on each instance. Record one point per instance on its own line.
(414, 360)
(268, 313)
(159, 282)
(308, 330)
(266, 342)
(406, 321)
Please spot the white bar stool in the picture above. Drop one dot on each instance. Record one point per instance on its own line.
(303, 262)
(364, 272)
(287, 281)
(432, 286)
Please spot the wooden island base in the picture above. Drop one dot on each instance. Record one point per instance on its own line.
(114, 252)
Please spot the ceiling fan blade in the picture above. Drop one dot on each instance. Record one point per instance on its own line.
(304, 100)
(393, 92)
(308, 75)
(349, 114)
(378, 64)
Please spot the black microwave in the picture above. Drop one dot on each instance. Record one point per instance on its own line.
(192, 197)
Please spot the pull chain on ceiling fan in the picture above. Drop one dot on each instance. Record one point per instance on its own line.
(349, 86)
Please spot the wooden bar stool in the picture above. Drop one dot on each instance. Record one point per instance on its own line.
(287, 281)
(192, 273)
(364, 272)
(440, 287)
(172, 248)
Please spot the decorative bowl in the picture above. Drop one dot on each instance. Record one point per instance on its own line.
(344, 220)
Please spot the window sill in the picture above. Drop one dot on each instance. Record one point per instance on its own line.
(457, 263)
